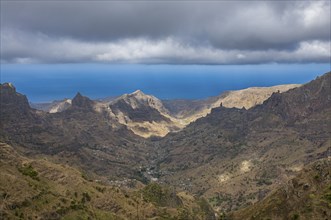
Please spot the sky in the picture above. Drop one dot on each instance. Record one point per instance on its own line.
(50, 49)
(165, 32)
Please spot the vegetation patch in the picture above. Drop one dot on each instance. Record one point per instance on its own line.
(28, 170)
(160, 196)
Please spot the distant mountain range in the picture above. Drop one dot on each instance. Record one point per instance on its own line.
(148, 116)
(240, 155)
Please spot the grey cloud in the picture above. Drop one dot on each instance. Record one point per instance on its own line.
(22, 47)
(260, 31)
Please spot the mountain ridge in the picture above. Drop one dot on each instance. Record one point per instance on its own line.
(148, 116)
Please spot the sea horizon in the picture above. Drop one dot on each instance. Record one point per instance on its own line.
(48, 82)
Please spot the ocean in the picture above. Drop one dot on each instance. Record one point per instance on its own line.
(47, 82)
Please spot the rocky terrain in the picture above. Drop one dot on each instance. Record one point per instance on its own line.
(307, 196)
(233, 162)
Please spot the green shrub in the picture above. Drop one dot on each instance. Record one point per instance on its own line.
(327, 197)
(206, 209)
(100, 189)
(28, 170)
(153, 193)
(295, 216)
(183, 214)
(160, 196)
(262, 181)
(86, 197)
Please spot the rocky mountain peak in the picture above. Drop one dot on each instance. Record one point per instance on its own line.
(9, 86)
(9, 96)
(13, 104)
(144, 114)
(138, 99)
(7, 89)
(81, 101)
(139, 96)
(138, 93)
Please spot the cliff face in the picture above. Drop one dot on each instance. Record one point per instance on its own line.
(12, 103)
(15, 111)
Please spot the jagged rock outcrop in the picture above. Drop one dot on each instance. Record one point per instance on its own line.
(82, 102)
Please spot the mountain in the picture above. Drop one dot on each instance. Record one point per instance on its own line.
(235, 157)
(82, 102)
(53, 107)
(61, 105)
(144, 114)
(85, 135)
(148, 116)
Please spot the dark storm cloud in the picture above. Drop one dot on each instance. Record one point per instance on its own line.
(165, 32)
(100, 21)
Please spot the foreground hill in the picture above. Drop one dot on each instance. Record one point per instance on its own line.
(42, 189)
